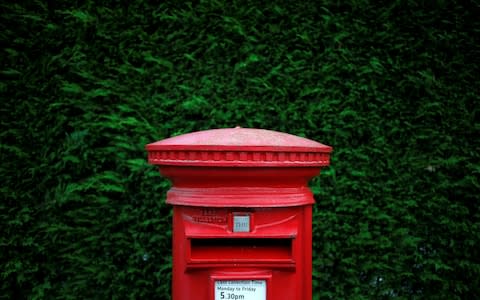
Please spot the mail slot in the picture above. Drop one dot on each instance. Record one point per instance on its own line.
(240, 249)
(242, 212)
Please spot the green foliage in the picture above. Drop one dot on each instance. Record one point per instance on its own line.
(392, 87)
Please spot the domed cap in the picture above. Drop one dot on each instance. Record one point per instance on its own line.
(242, 147)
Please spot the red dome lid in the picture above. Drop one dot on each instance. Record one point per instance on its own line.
(238, 147)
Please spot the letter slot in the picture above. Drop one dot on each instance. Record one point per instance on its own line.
(241, 249)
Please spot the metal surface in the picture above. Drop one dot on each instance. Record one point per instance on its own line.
(238, 147)
(242, 212)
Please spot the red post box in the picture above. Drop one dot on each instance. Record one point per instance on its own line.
(242, 212)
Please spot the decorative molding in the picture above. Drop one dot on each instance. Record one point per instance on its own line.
(237, 158)
(240, 197)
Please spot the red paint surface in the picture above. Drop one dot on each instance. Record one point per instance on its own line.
(221, 173)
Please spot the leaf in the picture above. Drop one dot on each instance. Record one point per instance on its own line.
(160, 61)
(71, 88)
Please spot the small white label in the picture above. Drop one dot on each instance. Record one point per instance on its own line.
(240, 290)
(241, 223)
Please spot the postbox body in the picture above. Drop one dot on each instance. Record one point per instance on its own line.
(242, 213)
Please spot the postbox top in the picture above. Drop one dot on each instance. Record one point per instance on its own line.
(238, 147)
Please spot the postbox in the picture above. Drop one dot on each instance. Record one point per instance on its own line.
(242, 212)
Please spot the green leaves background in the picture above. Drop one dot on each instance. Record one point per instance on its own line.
(392, 87)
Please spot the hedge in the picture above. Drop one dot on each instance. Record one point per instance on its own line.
(392, 86)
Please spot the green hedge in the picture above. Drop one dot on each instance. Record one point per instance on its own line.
(393, 87)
